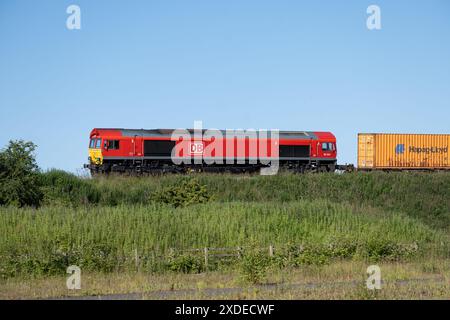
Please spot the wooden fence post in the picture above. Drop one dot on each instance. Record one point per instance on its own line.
(206, 258)
(136, 258)
(271, 251)
(239, 252)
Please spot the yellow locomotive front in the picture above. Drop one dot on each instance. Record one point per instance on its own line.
(95, 151)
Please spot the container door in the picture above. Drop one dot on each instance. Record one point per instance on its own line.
(366, 150)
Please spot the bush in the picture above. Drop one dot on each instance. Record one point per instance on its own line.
(53, 258)
(63, 188)
(383, 249)
(19, 180)
(188, 192)
(186, 264)
(312, 255)
(254, 264)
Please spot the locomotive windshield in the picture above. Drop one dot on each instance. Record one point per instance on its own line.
(327, 146)
(95, 143)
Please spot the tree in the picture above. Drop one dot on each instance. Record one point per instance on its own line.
(19, 175)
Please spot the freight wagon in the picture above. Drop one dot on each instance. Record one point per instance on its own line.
(159, 150)
(385, 151)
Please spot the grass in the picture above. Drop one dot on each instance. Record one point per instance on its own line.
(340, 280)
(317, 223)
(425, 196)
(47, 240)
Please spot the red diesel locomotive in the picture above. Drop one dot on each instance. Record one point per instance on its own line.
(169, 150)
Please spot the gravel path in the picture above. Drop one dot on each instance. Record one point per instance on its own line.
(212, 292)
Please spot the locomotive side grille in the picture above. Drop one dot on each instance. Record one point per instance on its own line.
(160, 148)
(294, 151)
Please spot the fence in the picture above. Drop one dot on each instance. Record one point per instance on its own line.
(222, 253)
(209, 255)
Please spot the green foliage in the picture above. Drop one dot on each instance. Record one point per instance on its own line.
(376, 249)
(63, 188)
(53, 258)
(310, 219)
(313, 255)
(187, 192)
(104, 238)
(186, 264)
(254, 263)
(425, 196)
(19, 180)
(369, 249)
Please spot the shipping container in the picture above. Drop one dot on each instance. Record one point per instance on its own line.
(403, 151)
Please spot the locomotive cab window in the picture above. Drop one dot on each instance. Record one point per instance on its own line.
(328, 146)
(98, 143)
(112, 144)
(92, 144)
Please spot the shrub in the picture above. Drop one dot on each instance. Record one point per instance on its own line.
(53, 257)
(384, 249)
(312, 255)
(186, 264)
(254, 264)
(188, 192)
(63, 188)
(19, 182)
(294, 256)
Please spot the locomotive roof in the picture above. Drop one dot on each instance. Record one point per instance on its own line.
(168, 133)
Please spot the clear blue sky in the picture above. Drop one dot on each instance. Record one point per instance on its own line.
(295, 65)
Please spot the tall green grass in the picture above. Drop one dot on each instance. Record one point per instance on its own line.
(47, 240)
(120, 223)
(425, 196)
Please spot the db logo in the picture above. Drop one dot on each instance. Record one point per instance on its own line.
(196, 148)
